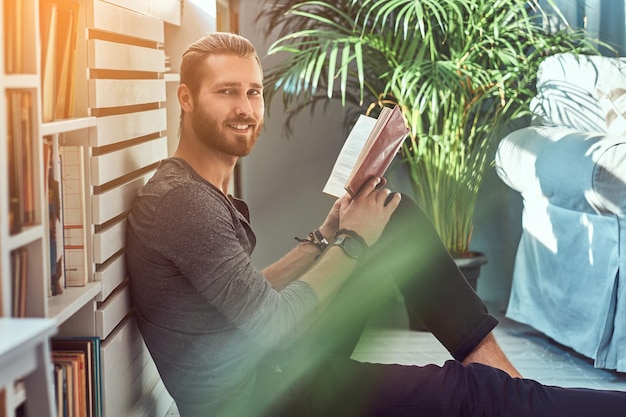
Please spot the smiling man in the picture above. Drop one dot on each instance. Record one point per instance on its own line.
(225, 105)
(232, 340)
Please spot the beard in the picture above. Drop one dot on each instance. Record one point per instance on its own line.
(213, 134)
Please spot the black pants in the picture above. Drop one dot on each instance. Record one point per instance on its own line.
(317, 378)
(346, 388)
(410, 255)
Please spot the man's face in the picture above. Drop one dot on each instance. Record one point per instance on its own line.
(228, 110)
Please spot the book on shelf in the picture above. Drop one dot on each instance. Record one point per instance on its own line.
(14, 36)
(1, 309)
(55, 214)
(19, 281)
(59, 32)
(74, 365)
(74, 231)
(3, 398)
(61, 395)
(368, 151)
(21, 160)
(48, 30)
(28, 168)
(14, 168)
(78, 383)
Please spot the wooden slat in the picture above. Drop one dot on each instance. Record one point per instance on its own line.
(166, 10)
(127, 369)
(128, 396)
(116, 201)
(111, 275)
(110, 313)
(110, 18)
(113, 165)
(124, 57)
(122, 127)
(155, 402)
(109, 241)
(105, 93)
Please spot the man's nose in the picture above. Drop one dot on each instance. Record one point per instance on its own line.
(244, 106)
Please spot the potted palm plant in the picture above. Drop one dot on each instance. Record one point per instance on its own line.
(460, 70)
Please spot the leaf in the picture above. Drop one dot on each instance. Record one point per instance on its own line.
(358, 53)
(332, 62)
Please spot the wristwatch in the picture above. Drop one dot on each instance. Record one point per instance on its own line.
(351, 246)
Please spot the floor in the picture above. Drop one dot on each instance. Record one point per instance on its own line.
(533, 354)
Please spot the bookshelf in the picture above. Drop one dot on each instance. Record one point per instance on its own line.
(23, 352)
(102, 130)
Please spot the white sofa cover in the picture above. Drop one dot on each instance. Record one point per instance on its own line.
(569, 278)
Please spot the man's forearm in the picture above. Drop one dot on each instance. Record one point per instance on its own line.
(291, 266)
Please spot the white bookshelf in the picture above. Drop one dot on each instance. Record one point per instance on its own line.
(119, 115)
(42, 314)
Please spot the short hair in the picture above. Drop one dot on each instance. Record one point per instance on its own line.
(216, 43)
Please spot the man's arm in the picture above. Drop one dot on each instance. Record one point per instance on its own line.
(298, 260)
(291, 266)
(359, 216)
(366, 214)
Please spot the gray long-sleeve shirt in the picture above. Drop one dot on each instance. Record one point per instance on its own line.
(205, 312)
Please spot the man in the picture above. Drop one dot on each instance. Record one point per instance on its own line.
(231, 340)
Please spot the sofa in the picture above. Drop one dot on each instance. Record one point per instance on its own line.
(569, 166)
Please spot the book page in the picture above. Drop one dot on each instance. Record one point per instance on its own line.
(383, 117)
(348, 156)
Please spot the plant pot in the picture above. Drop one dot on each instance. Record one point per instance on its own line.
(470, 268)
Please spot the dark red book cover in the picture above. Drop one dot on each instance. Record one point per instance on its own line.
(383, 147)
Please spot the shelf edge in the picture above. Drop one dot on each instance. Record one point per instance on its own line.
(62, 307)
(67, 125)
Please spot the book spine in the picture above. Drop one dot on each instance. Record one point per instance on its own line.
(55, 222)
(74, 235)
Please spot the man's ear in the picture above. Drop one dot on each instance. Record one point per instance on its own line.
(184, 98)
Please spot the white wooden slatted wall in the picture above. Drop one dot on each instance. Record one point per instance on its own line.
(127, 94)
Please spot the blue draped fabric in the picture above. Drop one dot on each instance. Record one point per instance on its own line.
(604, 20)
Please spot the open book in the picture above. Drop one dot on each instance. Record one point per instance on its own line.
(367, 152)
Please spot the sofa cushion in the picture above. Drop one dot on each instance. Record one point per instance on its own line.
(576, 170)
(567, 90)
(613, 103)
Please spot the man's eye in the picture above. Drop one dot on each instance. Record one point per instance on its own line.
(254, 92)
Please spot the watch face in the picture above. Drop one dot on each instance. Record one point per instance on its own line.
(352, 247)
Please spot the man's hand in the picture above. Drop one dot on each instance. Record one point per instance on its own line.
(331, 223)
(369, 211)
